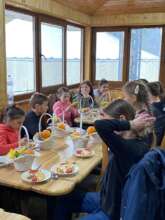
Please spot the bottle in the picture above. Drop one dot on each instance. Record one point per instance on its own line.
(10, 89)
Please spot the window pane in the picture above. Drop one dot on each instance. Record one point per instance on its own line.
(52, 54)
(145, 53)
(20, 51)
(109, 55)
(74, 52)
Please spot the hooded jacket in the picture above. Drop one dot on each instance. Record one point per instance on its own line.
(144, 190)
(124, 153)
(8, 138)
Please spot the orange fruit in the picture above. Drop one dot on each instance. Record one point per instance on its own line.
(91, 130)
(61, 125)
(28, 151)
(45, 134)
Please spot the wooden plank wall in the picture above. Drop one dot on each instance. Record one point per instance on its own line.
(55, 9)
(3, 96)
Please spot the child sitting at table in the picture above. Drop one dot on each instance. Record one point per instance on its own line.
(63, 108)
(120, 130)
(85, 95)
(39, 105)
(12, 120)
(102, 94)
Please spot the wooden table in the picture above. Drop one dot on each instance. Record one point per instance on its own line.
(11, 178)
(11, 216)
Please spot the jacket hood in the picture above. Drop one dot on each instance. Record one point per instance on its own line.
(154, 165)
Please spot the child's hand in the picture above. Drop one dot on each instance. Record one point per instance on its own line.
(23, 141)
(142, 121)
(68, 108)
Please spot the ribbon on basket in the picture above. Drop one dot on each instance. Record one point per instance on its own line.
(40, 125)
(80, 110)
(26, 132)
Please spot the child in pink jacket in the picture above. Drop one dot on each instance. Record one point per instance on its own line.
(64, 105)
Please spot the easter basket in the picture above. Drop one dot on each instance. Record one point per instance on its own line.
(23, 161)
(44, 143)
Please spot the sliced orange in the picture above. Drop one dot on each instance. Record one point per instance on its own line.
(61, 125)
(91, 130)
(45, 134)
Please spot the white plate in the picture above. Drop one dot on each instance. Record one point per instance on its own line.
(5, 161)
(74, 172)
(91, 153)
(47, 176)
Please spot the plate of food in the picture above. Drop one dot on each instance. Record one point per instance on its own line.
(65, 169)
(36, 176)
(84, 153)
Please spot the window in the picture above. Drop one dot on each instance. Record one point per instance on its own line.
(52, 54)
(20, 52)
(42, 53)
(109, 55)
(74, 55)
(145, 53)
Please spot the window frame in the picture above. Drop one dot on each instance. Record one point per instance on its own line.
(126, 53)
(38, 18)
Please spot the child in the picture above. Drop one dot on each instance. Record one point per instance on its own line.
(158, 103)
(39, 105)
(157, 95)
(13, 118)
(137, 94)
(120, 131)
(102, 94)
(85, 95)
(64, 106)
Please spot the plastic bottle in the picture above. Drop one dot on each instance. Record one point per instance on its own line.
(10, 89)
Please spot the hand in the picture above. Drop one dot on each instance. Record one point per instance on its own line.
(142, 121)
(23, 141)
(105, 94)
(68, 108)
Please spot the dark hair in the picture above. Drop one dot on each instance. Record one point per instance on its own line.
(62, 90)
(12, 112)
(120, 107)
(103, 82)
(140, 90)
(38, 98)
(88, 83)
(156, 89)
(144, 81)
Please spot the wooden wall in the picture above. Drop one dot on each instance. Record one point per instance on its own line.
(52, 8)
(3, 96)
(129, 20)
(55, 9)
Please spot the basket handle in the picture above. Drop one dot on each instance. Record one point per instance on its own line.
(39, 126)
(26, 132)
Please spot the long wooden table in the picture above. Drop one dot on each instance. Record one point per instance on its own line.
(11, 216)
(63, 149)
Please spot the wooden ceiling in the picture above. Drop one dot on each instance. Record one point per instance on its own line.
(109, 7)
